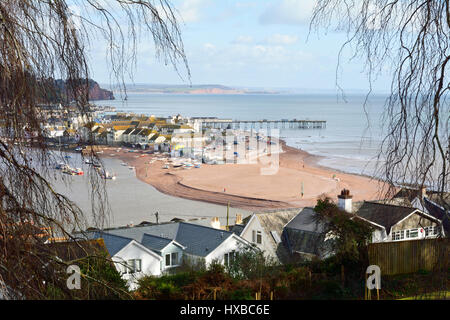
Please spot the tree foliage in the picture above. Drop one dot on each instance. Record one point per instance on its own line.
(411, 40)
(347, 234)
(41, 41)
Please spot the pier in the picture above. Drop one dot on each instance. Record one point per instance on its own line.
(261, 124)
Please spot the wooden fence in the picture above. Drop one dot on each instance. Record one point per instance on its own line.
(409, 256)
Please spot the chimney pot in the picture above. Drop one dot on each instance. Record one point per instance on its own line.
(215, 223)
(345, 200)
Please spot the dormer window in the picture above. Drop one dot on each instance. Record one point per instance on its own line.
(172, 259)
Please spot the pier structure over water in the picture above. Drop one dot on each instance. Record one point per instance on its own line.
(260, 124)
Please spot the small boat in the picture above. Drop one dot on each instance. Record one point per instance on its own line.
(78, 172)
(124, 164)
(131, 168)
(165, 166)
(60, 166)
(68, 171)
(108, 176)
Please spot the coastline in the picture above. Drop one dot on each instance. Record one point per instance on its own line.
(240, 185)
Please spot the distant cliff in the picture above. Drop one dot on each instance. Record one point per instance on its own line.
(95, 92)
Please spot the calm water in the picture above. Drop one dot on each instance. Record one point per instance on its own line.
(350, 142)
(132, 201)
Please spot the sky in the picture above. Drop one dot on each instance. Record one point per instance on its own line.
(254, 44)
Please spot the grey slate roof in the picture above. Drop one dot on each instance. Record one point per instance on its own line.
(198, 240)
(128, 131)
(439, 213)
(383, 214)
(305, 220)
(237, 229)
(303, 234)
(155, 243)
(113, 243)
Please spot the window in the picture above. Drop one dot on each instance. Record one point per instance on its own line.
(430, 231)
(398, 235)
(172, 259)
(133, 266)
(257, 237)
(412, 233)
(229, 258)
(175, 258)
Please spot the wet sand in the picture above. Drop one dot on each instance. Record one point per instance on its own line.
(243, 186)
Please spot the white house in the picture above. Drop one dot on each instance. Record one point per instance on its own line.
(156, 249)
(264, 229)
(393, 222)
(135, 260)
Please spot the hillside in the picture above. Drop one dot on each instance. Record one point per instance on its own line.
(194, 89)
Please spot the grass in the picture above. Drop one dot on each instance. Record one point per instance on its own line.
(440, 295)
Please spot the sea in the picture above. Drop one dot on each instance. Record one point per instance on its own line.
(350, 142)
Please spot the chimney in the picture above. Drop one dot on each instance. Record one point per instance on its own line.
(215, 223)
(423, 192)
(345, 201)
(238, 218)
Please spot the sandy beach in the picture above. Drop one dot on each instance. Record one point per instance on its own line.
(243, 186)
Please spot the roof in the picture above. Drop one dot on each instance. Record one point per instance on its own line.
(153, 138)
(382, 214)
(443, 201)
(439, 213)
(146, 132)
(121, 128)
(128, 131)
(154, 242)
(306, 220)
(273, 223)
(237, 229)
(114, 243)
(304, 234)
(136, 132)
(198, 240)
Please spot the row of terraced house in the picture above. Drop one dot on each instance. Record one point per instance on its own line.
(141, 132)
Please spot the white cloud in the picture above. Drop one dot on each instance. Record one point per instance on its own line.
(190, 10)
(288, 12)
(281, 39)
(209, 47)
(243, 40)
